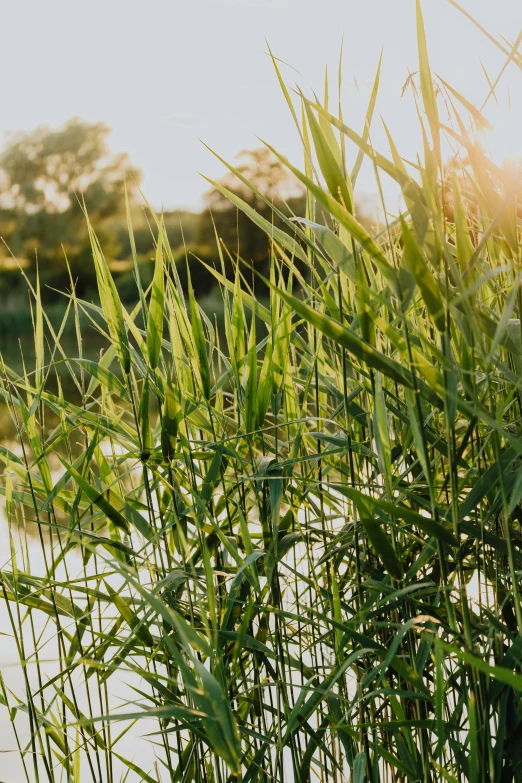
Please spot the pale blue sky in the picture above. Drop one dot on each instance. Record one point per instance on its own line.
(163, 72)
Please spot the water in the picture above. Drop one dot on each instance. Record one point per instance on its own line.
(30, 558)
(133, 745)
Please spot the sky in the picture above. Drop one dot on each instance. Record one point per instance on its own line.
(164, 74)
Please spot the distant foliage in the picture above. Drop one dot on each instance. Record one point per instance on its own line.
(47, 177)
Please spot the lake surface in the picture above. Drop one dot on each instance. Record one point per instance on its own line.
(30, 559)
(134, 745)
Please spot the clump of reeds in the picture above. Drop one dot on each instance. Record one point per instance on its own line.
(298, 543)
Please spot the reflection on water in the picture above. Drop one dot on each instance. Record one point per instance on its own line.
(31, 559)
(134, 745)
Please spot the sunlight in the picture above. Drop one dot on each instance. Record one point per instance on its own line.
(505, 139)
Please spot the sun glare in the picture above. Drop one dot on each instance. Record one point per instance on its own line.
(505, 139)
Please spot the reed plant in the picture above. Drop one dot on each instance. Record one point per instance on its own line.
(297, 539)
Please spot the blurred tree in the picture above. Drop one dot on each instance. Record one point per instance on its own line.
(273, 181)
(266, 172)
(238, 233)
(44, 176)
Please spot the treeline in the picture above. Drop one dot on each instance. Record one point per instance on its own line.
(50, 179)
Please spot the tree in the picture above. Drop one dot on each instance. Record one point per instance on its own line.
(266, 173)
(239, 234)
(45, 175)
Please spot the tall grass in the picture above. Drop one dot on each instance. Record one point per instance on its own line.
(298, 543)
